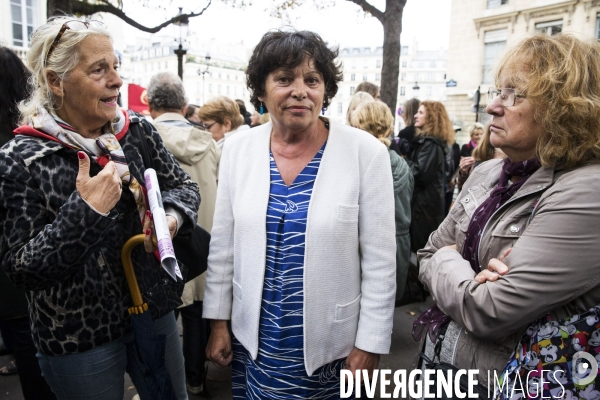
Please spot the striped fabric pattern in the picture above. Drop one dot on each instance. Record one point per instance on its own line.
(279, 371)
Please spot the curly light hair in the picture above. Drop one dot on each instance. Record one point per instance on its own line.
(437, 122)
(560, 76)
(376, 118)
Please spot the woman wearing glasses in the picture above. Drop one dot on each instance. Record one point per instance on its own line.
(521, 241)
(70, 196)
(222, 118)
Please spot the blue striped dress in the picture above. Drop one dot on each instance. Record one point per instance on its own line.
(279, 372)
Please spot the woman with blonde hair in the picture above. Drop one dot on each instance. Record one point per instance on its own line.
(356, 100)
(427, 160)
(514, 268)
(376, 119)
(71, 194)
(482, 153)
(221, 117)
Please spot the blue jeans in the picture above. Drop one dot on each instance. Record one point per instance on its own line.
(98, 374)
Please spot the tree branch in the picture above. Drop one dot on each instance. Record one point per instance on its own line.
(371, 9)
(82, 7)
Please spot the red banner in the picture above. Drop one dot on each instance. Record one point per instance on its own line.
(138, 99)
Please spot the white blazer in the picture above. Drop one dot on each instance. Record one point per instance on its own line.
(349, 264)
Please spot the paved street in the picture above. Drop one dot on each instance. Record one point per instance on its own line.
(400, 357)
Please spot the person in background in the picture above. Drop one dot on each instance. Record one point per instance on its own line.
(70, 197)
(406, 135)
(376, 119)
(306, 293)
(515, 266)
(198, 155)
(14, 312)
(263, 119)
(191, 114)
(254, 119)
(427, 160)
(356, 100)
(482, 153)
(476, 132)
(370, 88)
(222, 118)
(244, 112)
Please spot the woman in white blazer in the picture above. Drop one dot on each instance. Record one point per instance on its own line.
(302, 256)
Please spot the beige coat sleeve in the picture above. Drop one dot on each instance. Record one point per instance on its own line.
(554, 262)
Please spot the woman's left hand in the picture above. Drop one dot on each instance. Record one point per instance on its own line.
(360, 359)
(496, 268)
(150, 244)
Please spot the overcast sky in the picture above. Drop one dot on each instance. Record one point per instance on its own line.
(428, 21)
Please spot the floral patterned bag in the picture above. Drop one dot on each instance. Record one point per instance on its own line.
(542, 364)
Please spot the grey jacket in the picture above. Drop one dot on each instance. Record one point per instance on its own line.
(551, 223)
(403, 189)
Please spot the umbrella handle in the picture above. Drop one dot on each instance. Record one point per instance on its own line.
(138, 303)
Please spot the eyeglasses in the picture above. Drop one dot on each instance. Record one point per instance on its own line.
(508, 96)
(207, 127)
(74, 25)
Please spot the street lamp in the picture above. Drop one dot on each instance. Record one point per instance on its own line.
(203, 72)
(416, 89)
(181, 27)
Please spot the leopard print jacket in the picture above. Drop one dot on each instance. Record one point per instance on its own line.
(67, 256)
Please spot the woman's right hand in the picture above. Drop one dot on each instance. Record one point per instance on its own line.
(465, 164)
(103, 191)
(218, 349)
(496, 268)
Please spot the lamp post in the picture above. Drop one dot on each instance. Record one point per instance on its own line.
(416, 89)
(204, 72)
(181, 27)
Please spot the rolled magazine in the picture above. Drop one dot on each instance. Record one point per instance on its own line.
(165, 245)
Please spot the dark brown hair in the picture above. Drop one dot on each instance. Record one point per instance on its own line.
(289, 49)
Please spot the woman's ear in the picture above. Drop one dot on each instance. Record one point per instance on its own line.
(227, 124)
(54, 83)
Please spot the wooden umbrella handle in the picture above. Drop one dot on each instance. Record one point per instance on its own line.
(138, 303)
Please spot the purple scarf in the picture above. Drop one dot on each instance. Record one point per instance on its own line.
(434, 318)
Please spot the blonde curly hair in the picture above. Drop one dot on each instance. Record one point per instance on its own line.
(375, 118)
(560, 76)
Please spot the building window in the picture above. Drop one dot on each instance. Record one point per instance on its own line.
(402, 91)
(353, 64)
(404, 50)
(219, 89)
(210, 88)
(420, 65)
(549, 28)
(353, 77)
(378, 64)
(404, 64)
(152, 53)
(340, 106)
(433, 64)
(166, 65)
(429, 77)
(429, 90)
(494, 45)
(417, 77)
(496, 3)
(364, 78)
(24, 19)
(227, 90)
(158, 52)
(377, 77)
(403, 77)
(145, 54)
(351, 90)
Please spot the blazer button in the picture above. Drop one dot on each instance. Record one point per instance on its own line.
(467, 199)
(514, 229)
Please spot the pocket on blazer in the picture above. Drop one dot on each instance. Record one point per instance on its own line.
(237, 290)
(348, 310)
(346, 213)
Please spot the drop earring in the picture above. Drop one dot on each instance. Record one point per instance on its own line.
(323, 111)
(261, 111)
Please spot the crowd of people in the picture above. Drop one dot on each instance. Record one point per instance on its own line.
(319, 228)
